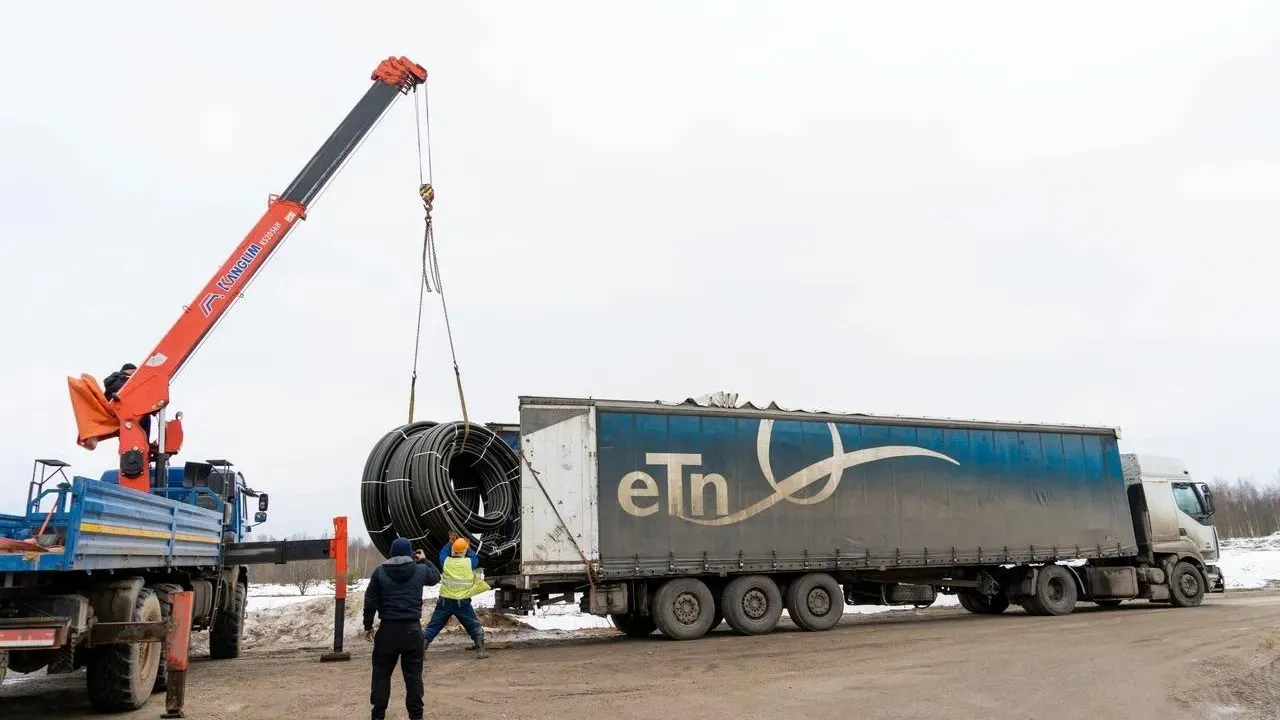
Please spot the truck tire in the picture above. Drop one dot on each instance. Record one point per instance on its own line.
(752, 604)
(815, 602)
(979, 604)
(683, 609)
(1055, 592)
(636, 626)
(163, 590)
(227, 633)
(1186, 585)
(120, 678)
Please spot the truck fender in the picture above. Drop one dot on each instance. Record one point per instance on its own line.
(1022, 581)
(1075, 575)
(113, 601)
(1195, 562)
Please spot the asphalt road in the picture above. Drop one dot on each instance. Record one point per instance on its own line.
(1133, 662)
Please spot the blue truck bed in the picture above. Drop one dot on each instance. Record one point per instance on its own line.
(102, 526)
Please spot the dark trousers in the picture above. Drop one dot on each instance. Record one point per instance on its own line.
(447, 608)
(397, 640)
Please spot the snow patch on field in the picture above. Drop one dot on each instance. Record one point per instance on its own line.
(1251, 562)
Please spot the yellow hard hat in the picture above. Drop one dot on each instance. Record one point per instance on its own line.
(460, 546)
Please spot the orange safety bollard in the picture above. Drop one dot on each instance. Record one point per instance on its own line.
(177, 646)
(338, 551)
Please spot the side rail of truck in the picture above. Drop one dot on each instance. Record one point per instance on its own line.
(91, 574)
(678, 517)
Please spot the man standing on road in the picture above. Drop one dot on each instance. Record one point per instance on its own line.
(457, 585)
(395, 594)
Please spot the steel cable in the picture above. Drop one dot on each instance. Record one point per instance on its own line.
(424, 480)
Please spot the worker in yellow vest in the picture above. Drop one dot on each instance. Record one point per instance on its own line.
(458, 583)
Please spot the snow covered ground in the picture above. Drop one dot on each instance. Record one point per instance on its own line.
(1251, 562)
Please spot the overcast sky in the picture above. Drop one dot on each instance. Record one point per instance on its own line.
(1023, 211)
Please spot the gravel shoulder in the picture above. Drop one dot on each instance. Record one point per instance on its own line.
(1221, 660)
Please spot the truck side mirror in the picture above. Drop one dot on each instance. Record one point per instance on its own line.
(259, 517)
(1207, 494)
(262, 502)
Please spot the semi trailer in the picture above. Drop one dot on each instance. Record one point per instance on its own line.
(674, 517)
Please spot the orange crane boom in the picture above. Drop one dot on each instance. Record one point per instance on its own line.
(147, 391)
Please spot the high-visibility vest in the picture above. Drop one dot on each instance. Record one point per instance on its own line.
(457, 578)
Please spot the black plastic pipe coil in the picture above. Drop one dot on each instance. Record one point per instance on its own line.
(425, 479)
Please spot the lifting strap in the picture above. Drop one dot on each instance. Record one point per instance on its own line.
(430, 280)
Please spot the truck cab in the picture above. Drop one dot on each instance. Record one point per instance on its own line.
(1173, 514)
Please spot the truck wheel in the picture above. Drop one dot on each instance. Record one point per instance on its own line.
(227, 633)
(1186, 585)
(163, 590)
(1055, 592)
(752, 604)
(121, 677)
(979, 604)
(683, 609)
(815, 602)
(636, 626)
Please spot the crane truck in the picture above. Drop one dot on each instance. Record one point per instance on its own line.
(674, 517)
(87, 566)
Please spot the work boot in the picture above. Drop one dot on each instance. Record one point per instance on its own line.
(479, 641)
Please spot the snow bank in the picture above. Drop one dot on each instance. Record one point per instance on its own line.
(1251, 562)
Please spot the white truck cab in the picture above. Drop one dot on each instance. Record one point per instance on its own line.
(1179, 513)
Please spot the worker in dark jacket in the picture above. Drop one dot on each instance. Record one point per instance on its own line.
(395, 594)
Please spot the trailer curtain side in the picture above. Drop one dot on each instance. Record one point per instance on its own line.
(656, 490)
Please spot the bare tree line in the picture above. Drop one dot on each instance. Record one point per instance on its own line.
(1245, 508)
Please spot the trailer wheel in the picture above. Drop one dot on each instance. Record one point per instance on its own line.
(163, 590)
(815, 602)
(979, 604)
(121, 677)
(683, 609)
(1186, 585)
(752, 604)
(1055, 592)
(227, 633)
(636, 626)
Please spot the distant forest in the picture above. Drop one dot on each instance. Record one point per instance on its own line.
(1244, 509)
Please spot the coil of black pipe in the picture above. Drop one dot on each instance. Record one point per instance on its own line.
(426, 479)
